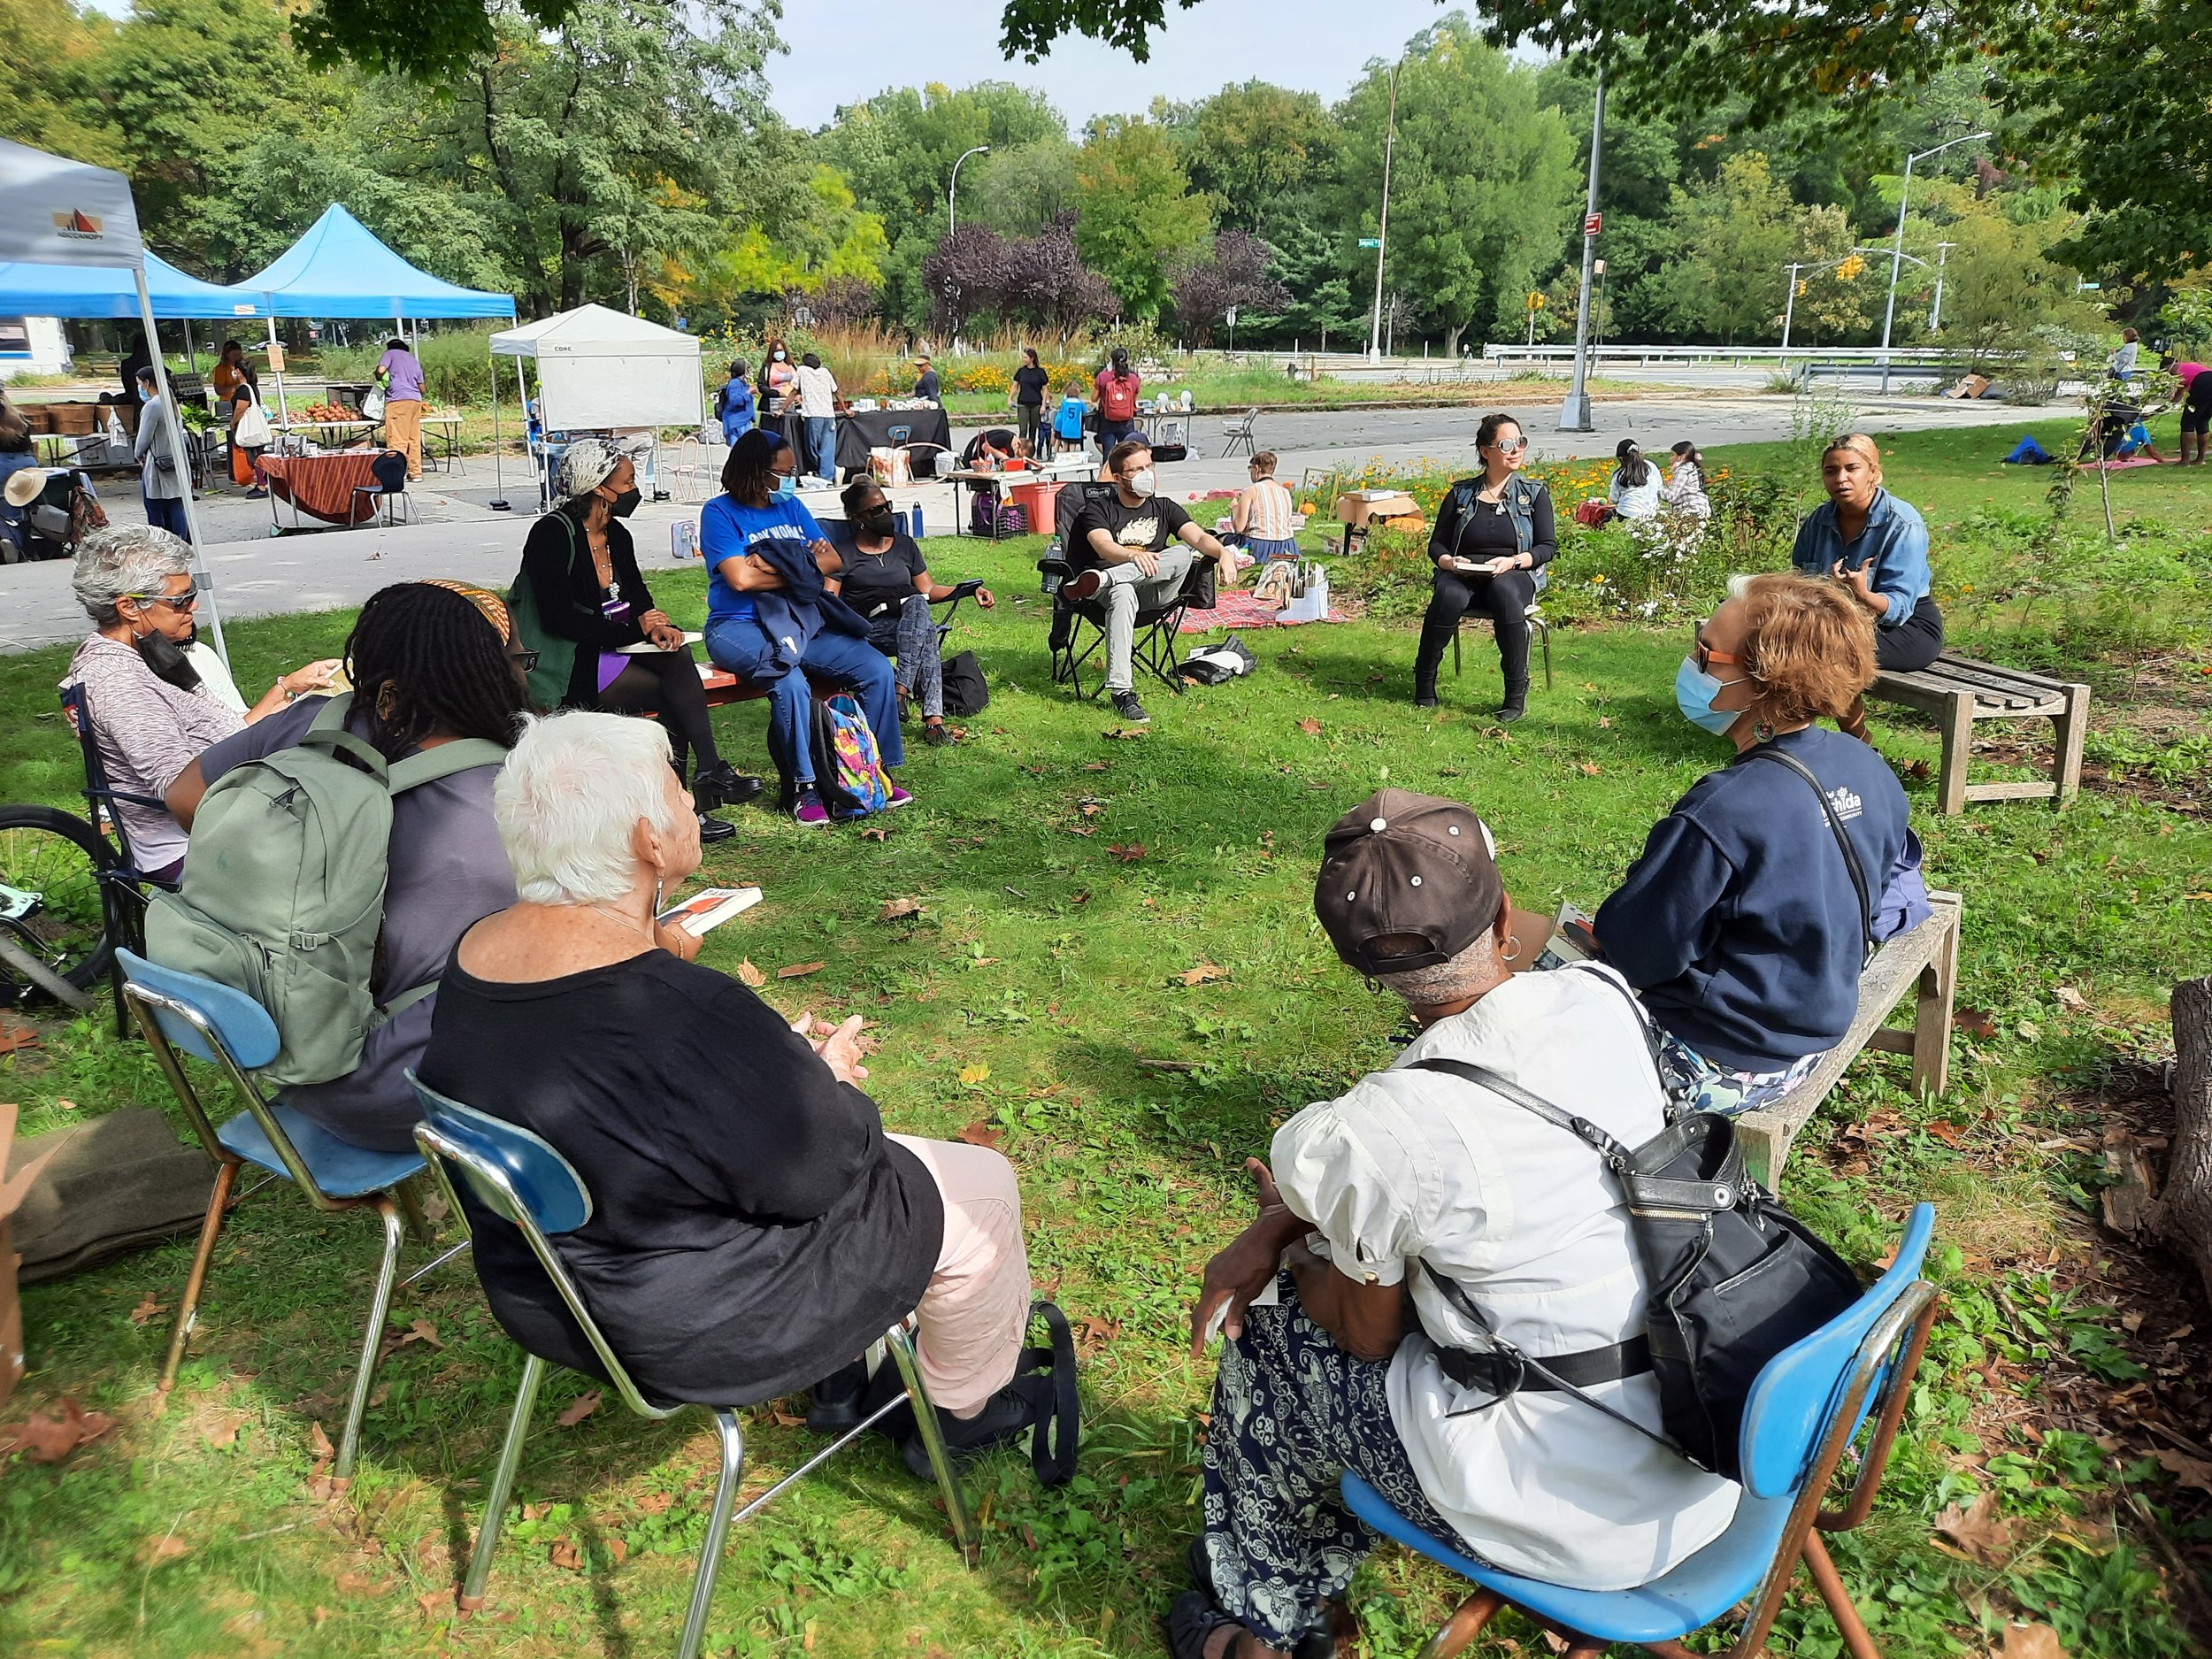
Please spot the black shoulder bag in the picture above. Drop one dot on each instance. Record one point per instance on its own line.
(1731, 1279)
(1843, 841)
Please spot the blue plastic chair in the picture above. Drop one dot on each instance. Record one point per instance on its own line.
(1805, 1408)
(525, 1181)
(228, 1029)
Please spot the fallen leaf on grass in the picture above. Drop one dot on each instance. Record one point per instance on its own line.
(1950, 1134)
(220, 1428)
(2029, 1641)
(899, 909)
(147, 1309)
(66, 1105)
(566, 1556)
(1123, 734)
(800, 970)
(784, 1419)
(1977, 1532)
(875, 833)
(751, 975)
(420, 1331)
(1090, 809)
(1976, 1023)
(1605, 721)
(578, 1408)
(361, 1584)
(318, 1446)
(1091, 1333)
(2067, 996)
(167, 1547)
(1128, 854)
(435, 1604)
(1202, 973)
(2190, 1472)
(618, 1550)
(1590, 769)
(656, 1502)
(1919, 772)
(14, 1037)
(1098, 765)
(976, 1073)
(981, 1134)
(1311, 728)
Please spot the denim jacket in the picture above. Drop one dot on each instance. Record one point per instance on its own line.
(1527, 502)
(1895, 539)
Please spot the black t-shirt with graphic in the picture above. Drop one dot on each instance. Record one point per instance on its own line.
(1150, 524)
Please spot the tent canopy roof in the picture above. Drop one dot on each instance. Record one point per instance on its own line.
(57, 211)
(52, 290)
(338, 269)
(592, 331)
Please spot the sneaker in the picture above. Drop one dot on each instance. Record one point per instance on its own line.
(810, 812)
(1125, 704)
(1081, 586)
(899, 797)
(935, 734)
(714, 829)
(723, 785)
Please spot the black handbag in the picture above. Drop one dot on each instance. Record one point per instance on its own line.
(1731, 1279)
(965, 692)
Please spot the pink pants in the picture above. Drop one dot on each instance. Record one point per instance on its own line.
(974, 1314)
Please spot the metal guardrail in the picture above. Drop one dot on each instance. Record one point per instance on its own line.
(1735, 356)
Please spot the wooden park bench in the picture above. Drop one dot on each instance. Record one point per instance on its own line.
(1922, 963)
(1957, 691)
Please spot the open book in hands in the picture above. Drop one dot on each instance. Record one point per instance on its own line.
(709, 909)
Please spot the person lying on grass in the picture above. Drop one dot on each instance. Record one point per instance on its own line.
(1412, 1166)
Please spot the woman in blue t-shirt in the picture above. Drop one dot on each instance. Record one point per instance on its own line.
(1877, 547)
(772, 619)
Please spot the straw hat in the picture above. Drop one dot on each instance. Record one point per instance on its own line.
(24, 484)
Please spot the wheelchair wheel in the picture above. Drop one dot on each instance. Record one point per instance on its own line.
(51, 907)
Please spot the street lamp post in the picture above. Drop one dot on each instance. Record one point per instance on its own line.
(1789, 310)
(1575, 416)
(1897, 251)
(1382, 228)
(952, 190)
(1935, 311)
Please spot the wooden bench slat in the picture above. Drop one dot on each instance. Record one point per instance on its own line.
(1989, 698)
(2021, 789)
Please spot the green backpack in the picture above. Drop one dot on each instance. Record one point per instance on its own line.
(282, 895)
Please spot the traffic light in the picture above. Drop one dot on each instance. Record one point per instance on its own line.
(1850, 269)
(1535, 301)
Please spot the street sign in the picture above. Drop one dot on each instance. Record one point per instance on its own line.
(802, 316)
(1599, 267)
(1594, 223)
(1371, 242)
(1233, 317)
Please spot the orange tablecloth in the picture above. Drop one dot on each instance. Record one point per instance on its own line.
(322, 486)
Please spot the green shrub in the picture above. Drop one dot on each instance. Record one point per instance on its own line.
(457, 364)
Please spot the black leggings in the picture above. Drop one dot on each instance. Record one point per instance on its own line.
(1913, 644)
(1504, 599)
(667, 682)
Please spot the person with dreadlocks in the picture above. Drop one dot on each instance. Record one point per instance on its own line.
(582, 604)
(428, 663)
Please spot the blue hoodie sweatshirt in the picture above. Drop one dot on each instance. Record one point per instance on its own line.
(1740, 923)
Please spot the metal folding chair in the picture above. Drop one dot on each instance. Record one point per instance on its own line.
(228, 1029)
(1535, 615)
(1805, 1411)
(1236, 433)
(525, 1181)
(390, 470)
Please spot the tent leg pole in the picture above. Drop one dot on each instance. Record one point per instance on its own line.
(498, 503)
(200, 579)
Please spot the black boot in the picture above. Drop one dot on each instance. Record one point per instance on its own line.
(1515, 703)
(1423, 687)
(1513, 663)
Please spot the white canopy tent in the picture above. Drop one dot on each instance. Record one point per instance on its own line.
(599, 369)
(59, 212)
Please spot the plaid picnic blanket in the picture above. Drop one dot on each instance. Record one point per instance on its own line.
(1237, 609)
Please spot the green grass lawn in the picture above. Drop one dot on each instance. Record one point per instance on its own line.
(1068, 878)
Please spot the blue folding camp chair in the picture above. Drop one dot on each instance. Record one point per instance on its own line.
(1804, 1412)
(526, 1183)
(227, 1028)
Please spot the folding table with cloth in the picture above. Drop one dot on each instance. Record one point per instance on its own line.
(865, 429)
(344, 488)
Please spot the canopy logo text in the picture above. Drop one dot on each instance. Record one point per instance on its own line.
(79, 226)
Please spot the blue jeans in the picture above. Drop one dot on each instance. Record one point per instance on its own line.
(853, 665)
(821, 445)
(166, 513)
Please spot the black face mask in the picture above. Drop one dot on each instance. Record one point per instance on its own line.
(626, 503)
(879, 521)
(167, 658)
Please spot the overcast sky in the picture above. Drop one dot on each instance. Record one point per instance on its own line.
(844, 50)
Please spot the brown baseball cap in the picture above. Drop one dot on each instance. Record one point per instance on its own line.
(1400, 865)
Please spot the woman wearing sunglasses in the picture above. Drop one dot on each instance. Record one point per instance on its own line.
(151, 709)
(1494, 537)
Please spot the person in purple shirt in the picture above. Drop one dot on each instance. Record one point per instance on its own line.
(399, 371)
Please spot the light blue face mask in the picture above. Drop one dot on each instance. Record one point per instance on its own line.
(1695, 690)
(786, 486)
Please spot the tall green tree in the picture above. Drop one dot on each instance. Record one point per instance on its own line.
(1483, 182)
(1135, 212)
(1019, 190)
(1731, 239)
(48, 53)
(1252, 147)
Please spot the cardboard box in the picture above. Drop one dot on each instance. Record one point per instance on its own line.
(1359, 506)
(12, 1190)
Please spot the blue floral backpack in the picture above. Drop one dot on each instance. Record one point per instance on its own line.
(848, 765)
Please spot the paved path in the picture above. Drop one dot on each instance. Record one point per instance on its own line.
(460, 536)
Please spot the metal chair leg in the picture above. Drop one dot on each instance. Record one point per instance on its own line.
(1543, 632)
(1830, 1583)
(471, 1597)
(225, 1173)
(1454, 653)
(718, 1532)
(365, 1376)
(1465, 1623)
(410, 1207)
(932, 1435)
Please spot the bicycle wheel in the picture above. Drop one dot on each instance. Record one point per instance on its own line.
(50, 865)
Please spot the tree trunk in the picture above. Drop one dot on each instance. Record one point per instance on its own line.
(1451, 339)
(2184, 1215)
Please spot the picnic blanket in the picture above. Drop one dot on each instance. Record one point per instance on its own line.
(2119, 466)
(322, 486)
(1238, 610)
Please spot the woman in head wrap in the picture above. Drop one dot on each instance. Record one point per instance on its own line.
(579, 602)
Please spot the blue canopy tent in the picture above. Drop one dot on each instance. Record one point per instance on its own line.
(106, 292)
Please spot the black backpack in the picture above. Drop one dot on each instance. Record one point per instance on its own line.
(1732, 1278)
(965, 692)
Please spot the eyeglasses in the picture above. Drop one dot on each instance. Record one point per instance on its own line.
(1705, 656)
(527, 661)
(183, 600)
(1512, 446)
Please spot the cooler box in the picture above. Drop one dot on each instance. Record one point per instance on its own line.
(1036, 501)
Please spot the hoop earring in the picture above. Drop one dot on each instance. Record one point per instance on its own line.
(1513, 954)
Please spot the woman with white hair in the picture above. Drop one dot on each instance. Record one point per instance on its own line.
(582, 605)
(152, 711)
(753, 1225)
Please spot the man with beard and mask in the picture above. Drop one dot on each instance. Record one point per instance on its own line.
(581, 605)
(884, 578)
(1119, 543)
(151, 714)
